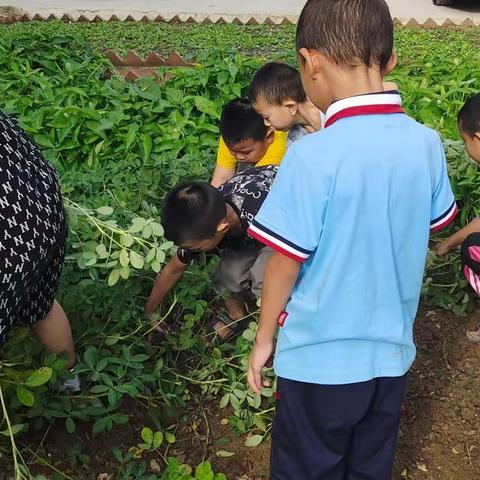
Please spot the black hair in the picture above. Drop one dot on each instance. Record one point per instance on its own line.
(469, 116)
(192, 211)
(239, 121)
(347, 32)
(277, 82)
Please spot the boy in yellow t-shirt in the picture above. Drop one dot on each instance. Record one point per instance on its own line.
(245, 140)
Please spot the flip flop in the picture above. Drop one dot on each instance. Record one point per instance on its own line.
(233, 328)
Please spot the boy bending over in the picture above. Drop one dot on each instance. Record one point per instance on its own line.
(349, 218)
(200, 218)
(469, 236)
(277, 94)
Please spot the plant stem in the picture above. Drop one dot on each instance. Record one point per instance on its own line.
(18, 473)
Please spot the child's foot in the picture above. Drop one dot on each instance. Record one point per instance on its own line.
(474, 336)
(224, 329)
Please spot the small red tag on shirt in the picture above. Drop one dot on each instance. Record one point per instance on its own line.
(282, 318)
(276, 395)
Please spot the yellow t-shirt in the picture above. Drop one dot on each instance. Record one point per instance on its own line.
(273, 156)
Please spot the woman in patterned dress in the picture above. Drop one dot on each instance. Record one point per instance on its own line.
(33, 230)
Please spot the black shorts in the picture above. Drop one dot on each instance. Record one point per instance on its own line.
(27, 291)
(32, 230)
(336, 432)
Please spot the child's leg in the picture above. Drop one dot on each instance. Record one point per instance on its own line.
(471, 268)
(373, 444)
(314, 426)
(55, 333)
(235, 306)
(471, 260)
(233, 276)
(257, 272)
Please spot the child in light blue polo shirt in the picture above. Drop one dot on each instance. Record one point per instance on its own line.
(349, 217)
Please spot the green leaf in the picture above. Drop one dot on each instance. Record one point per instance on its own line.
(205, 105)
(147, 232)
(150, 255)
(105, 210)
(204, 471)
(120, 418)
(98, 389)
(70, 425)
(170, 437)
(125, 272)
(224, 454)
(100, 425)
(157, 439)
(161, 255)
(156, 267)
(147, 146)
(117, 453)
(91, 356)
(39, 377)
(124, 260)
(15, 429)
(147, 435)
(113, 277)
(131, 135)
(113, 397)
(157, 229)
(138, 224)
(225, 400)
(25, 396)
(136, 260)
(102, 251)
(253, 441)
(127, 240)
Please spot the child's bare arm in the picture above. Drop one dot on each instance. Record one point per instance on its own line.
(222, 175)
(459, 237)
(280, 277)
(168, 278)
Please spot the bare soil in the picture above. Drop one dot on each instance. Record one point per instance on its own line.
(439, 438)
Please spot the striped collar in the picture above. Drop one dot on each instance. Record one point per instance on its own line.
(370, 104)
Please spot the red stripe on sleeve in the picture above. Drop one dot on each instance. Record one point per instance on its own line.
(275, 246)
(448, 220)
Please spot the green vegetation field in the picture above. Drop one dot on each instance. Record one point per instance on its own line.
(118, 148)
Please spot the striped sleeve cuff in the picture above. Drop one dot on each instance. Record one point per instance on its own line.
(444, 219)
(278, 243)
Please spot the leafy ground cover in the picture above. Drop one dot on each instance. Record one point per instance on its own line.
(119, 147)
(272, 41)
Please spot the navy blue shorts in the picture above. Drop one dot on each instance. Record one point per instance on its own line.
(336, 432)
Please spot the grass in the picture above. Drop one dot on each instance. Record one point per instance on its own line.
(261, 40)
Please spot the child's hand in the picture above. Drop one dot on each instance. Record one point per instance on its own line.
(259, 357)
(443, 248)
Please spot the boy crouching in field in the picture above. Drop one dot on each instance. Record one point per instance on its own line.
(199, 218)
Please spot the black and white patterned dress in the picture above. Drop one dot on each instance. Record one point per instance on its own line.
(32, 230)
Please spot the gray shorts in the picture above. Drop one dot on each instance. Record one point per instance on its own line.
(240, 269)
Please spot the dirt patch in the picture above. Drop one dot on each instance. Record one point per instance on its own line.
(439, 439)
(440, 434)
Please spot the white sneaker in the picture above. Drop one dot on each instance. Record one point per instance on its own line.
(71, 385)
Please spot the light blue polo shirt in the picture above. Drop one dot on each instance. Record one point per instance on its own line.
(355, 204)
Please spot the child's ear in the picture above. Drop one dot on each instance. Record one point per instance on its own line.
(392, 63)
(270, 136)
(223, 227)
(292, 107)
(311, 61)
